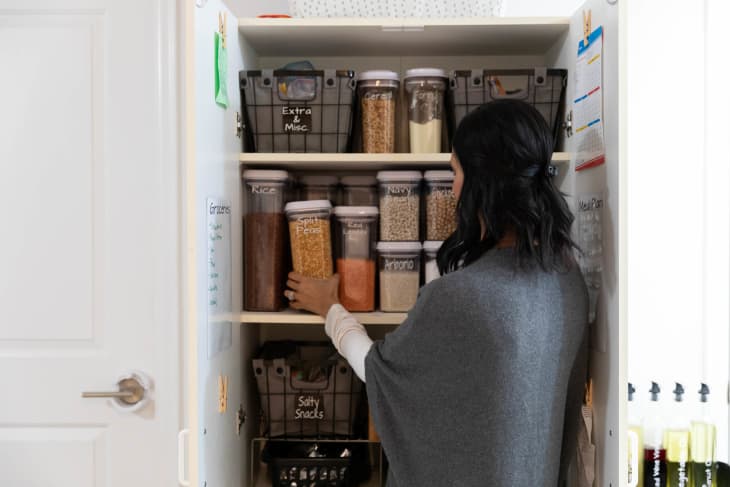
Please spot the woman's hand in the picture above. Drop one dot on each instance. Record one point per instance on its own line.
(315, 295)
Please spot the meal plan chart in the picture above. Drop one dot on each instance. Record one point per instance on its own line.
(588, 102)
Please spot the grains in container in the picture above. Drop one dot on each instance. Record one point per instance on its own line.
(265, 240)
(359, 191)
(425, 88)
(399, 264)
(378, 95)
(311, 244)
(355, 239)
(440, 205)
(430, 251)
(399, 205)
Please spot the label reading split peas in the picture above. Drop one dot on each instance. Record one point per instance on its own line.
(308, 225)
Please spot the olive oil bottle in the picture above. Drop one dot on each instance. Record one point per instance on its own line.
(703, 443)
(636, 443)
(655, 455)
(677, 443)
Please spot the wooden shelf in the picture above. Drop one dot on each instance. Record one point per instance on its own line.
(291, 317)
(403, 37)
(357, 162)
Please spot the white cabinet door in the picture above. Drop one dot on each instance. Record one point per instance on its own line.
(88, 246)
(608, 351)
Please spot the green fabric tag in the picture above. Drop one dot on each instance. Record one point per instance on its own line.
(221, 72)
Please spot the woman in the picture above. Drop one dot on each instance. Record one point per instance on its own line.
(483, 382)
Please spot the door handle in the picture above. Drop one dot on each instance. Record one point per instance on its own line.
(132, 394)
(181, 464)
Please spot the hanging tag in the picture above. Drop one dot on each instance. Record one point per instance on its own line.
(221, 63)
(222, 393)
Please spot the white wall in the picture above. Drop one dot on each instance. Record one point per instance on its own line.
(517, 8)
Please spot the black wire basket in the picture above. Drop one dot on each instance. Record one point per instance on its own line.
(297, 110)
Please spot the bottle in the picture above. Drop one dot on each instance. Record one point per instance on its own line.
(636, 442)
(703, 443)
(676, 441)
(655, 465)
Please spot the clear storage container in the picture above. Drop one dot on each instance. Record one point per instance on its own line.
(359, 191)
(265, 240)
(355, 239)
(315, 187)
(399, 193)
(399, 264)
(378, 95)
(425, 88)
(440, 205)
(311, 238)
(430, 252)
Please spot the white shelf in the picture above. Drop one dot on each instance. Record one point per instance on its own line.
(357, 162)
(291, 317)
(403, 37)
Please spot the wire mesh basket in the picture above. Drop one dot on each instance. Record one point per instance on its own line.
(542, 88)
(297, 111)
(297, 404)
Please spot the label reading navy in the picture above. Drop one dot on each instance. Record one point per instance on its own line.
(297, 120)
(309, 406)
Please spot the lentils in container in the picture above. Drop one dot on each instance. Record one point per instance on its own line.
(430, 252)
(399, 193)
(311, 238)
(399, 264)
(440, 205)
(265, 240)
(316, 187)
(425, 88)
(359, 191)
(378, 95)
(355, 239)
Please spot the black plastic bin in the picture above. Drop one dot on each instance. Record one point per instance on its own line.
(294, 463)
(297, 111)
(542, 88)
(294, 405)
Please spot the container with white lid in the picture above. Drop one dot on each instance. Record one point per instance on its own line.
(319, 187)
(399, 265)
(264, 240)
(359, 190)
(399, 205)
(440, 205)
(356, 231)
(425, 88)
(430, 252)
(311, 241)
(378, 95)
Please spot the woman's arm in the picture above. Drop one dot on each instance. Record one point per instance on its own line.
(320, 296)
(349, 338)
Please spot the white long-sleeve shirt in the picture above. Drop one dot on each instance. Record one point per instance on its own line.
(349, 337)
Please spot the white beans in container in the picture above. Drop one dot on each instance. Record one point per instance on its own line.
(399, 205)
(430, 251)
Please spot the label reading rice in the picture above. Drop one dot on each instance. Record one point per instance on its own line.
(296, 119)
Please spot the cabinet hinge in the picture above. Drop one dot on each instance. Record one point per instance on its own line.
(568, 124)
(239, 125)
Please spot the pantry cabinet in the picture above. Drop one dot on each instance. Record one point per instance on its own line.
(221, 343)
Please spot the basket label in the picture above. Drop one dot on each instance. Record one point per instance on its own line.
(309, 406)
(296, 119)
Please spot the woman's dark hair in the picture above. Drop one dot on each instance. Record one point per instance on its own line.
(505, 148)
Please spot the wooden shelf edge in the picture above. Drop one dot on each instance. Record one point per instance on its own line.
(343, 160)
(299, 318)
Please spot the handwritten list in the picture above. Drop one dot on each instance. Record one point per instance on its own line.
(218, 227)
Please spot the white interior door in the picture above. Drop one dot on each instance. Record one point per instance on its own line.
(88, 246)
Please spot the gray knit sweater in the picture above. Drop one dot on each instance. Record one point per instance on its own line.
(474, 388)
